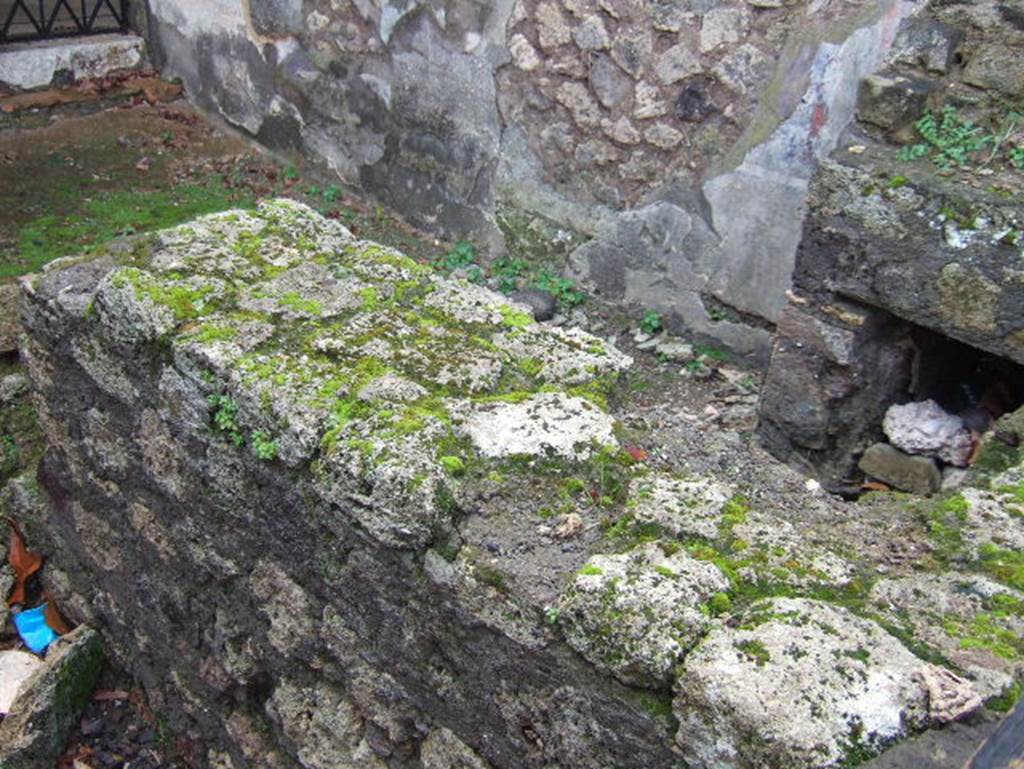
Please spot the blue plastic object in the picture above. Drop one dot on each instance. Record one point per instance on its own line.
(32, 627)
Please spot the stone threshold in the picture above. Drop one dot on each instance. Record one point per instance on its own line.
(35, 64)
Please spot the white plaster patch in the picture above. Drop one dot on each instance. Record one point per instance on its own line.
(196, 17)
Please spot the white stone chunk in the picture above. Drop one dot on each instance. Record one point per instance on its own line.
(925, 428)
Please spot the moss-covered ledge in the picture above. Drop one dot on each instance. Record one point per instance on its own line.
(311, 346)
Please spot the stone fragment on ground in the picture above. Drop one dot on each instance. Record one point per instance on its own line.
(50, 701)
(916, 474)
(926, 429)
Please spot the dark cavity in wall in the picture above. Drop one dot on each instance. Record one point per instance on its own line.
(978, 386)
(829, 387)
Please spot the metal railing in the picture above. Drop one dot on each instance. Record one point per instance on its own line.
(45, 19)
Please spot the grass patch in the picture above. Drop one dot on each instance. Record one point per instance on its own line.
(102, 219)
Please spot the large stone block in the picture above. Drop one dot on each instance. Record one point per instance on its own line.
(829, 384)
(927, 251)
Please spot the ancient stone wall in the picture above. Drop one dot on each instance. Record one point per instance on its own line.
(583, 112)
(334, 510)
(912, 225)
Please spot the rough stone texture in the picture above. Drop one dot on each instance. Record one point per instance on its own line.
(6, 583)
(637, 614)
(453, 113)
(34, 65)
(260, 472)
(997, 67)
(960, 614)
(687, 507)
(890, 245)
(892, 103)
(800, 684)
(832, 377)
(443, 750)
(894, 248)
(927, 43)
(15, 667)
(49, 703)
(311, 582)
(541, 303)
(918, 475)
(324, 726)
(9, 326)
(549, 423)
(926, 428)
(648, 256)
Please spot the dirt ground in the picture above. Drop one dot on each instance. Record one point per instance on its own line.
(76, 176)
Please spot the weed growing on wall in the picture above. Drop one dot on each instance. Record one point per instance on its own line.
(949, 140)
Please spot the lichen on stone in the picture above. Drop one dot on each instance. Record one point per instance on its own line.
(636, 614)
(324, 347)
(808, 684)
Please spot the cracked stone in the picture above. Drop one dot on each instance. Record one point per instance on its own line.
(647, 102)
(552, 29)
(523, 54)
(621, 131)
(576, 98)
(722, 26)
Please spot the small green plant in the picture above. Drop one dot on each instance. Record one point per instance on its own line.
(453, 465)
(291, 173)
(651, 322)
(263, 446)
(331, 193)
(948, 140)
(225, 417)
(563, 289)
(755, 651)
(508, 270)
(711, 353)
(10, 457)
(462, 255)
(720, 603)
